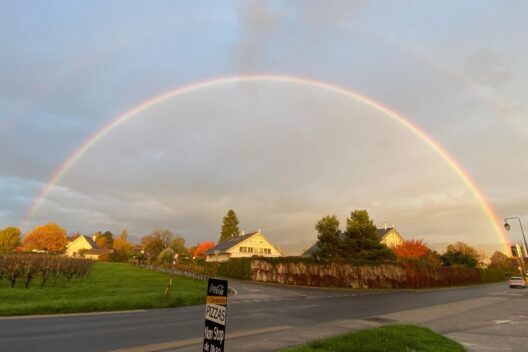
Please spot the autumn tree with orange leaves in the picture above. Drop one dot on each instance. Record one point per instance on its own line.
(50, 237)
(201, 249)
(413, 249)
(122, 248)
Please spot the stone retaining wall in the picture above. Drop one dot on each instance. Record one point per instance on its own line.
(362, 276)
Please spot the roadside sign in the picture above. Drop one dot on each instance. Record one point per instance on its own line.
(215, 316)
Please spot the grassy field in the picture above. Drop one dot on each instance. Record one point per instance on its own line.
(111, 286)
(393, 338)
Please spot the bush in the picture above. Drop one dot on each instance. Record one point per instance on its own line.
(166, 256)
(491, 275)
(236, 268)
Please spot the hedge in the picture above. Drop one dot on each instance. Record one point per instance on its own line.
(236, 268)
(492, 275)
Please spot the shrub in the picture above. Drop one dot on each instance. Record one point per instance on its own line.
(236, 268)
(166, 256)
(491, 275)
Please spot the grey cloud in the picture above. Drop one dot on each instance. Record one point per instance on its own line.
(282, 160)
(486, 67)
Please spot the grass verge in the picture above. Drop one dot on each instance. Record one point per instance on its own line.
(393, 338)
(110, 286)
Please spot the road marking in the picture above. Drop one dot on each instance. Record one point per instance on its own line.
(502, 321)
(66, 315)
(252, 289)
(198, 340)
(296, 293)
(290, 298)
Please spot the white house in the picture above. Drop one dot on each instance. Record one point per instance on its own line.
(84, 246)
(243, 246)
(79, 245)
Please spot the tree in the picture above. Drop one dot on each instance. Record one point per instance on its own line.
(104, 240)
(178, 246)
(166, 256)
(201, 249)
(413, 249)
(229, 226)
(461, 253)
(124, 235)
(158, 240)
(123, 250)
(9, 239)
(50, 237)
(501, 261)
(328, 238)
(361, 239)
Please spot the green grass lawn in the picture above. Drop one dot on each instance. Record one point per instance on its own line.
(110, 286)
(393, 338)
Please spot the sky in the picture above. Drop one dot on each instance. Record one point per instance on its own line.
(282, 154)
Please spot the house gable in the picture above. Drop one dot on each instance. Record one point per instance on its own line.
(81, 243)
(392, 238)
(252, 244)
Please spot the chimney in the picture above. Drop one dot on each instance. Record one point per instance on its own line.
(242, 233)
(385, 225)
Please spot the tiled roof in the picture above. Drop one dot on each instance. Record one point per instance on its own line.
(90, 241)
(383, 232)
(233, 241)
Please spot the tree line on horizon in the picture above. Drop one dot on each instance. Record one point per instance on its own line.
(52, 238)
(359, 241)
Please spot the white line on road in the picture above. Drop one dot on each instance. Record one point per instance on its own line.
(66, 315)
(198, 340)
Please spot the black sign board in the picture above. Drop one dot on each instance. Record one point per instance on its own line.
(215, 316)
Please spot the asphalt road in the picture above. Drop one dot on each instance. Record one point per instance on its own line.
(256, 307)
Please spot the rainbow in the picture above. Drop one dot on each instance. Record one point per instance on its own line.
(121, 119)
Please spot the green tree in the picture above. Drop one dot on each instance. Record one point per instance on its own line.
(166, 256)
(229, 226)
(461, 253)
(362, 241)
(501, 261)
(178, 246)
(159, 240)
(9, 239)
(328, 238)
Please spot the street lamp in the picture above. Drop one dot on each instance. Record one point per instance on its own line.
(507, 227)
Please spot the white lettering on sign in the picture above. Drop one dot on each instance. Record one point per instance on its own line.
(216, 289)
(215, 334)
(215, 313)
(219, 334)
